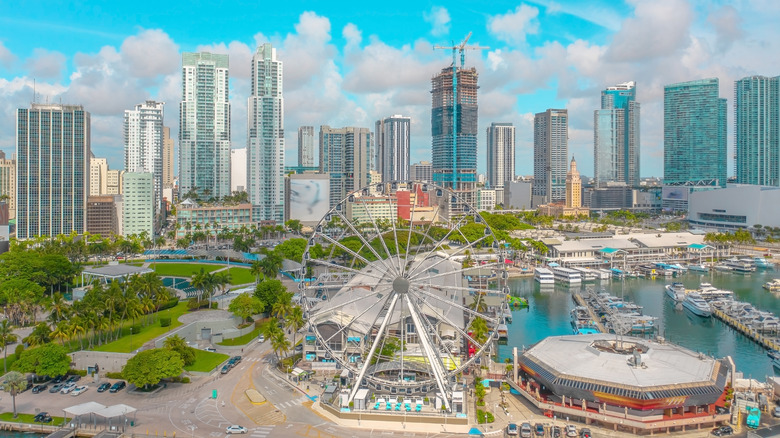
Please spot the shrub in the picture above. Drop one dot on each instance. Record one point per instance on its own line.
(81, 373)
(170, 304)
(215, 305)
(165, 321)
(18, 351)
(185, 380)
(484, 417)
(113, 375)
(135, 329)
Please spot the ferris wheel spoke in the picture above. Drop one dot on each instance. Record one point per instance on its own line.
(442, 240)
(422, 277)
(355, 318)
(379, 235)
(374, 346)
(441, 343)
(393, 219)
(457, 328)
(353, 253)
(419, 290)
(408, 237)
(427, 230)
(414, 272)
(346, 268)
(359, 235)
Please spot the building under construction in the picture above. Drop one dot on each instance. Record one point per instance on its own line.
(455, 160)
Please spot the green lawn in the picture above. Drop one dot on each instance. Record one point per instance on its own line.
(242, 340)
(206, 361)
(241, 276)
(128, 343)
(182, 269)
(28, 418)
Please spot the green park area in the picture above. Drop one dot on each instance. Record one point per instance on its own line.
(130, 342)
(28, 418)
(242, 340)
(241, 276)
(182, 269)
(206, 361)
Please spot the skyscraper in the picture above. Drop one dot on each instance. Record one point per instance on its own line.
(238, 170)
(306, 146)
(138, 204)
(144, 141)
(551, 151)
(53, 150)
(167, 158)
(500, 154)
(204, 125)
(265, 137)
(421, 171)
(455, 156)
(616, 136)
(392, 148)
(98, 176)
(345, 154)
(757, 130)
(8, 182)
(573, 187)
(694, 133)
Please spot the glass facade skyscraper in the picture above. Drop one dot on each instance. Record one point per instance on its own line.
(346, 154)
(616, 136)
(204, 125)
(551, 152)
(392, 148)
(500, 154)
(52, 152)
(756, 133)
(694, 134)
(265, 137)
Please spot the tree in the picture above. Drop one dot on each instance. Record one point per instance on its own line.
(245, 305)
(294, 225)
(295, 321)
(40, 335)
(279, 344)
(178, 344)
(7, 337)
(204, 282)
(14, 383)
(268, 292)
(271, 264)
(47, 360)
(150, 366)
(291, 249)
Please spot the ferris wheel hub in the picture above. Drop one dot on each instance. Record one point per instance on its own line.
(401, 285)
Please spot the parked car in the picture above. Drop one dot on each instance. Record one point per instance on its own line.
(40, 388)
(79, 390)
(525, 430)
(723, 431)
(74, 379)
(776, 412)
(28, 387)
(571, 430)
(585, 433)
(211, 349)
(67, 388)
(235, 429)
(103, 387)
(234, 360)
(56, 388)
(260, 339)
(58, 379)
(539, 429)
(118, 386)
(556, 432)
(511, 429)
(225, 369)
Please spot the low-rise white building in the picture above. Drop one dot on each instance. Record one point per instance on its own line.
(736, 206)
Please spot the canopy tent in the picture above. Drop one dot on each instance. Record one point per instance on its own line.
(95, 410)
(111, 272)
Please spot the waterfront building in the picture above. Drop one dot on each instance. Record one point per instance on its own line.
(114, 182)
(616, 136)
(551, 152)
(638, 384)
(393, 148)
(204, 125)
(189, 214)
(265, 137)
(167, 159)
(306, 142)
(53, 150)
(144, 138)
(98, 176)
(345, 154)
(238, 170)
(757, 130)
(8, 183)
(454, 136)
(138, 207)
(736, 206)
(500, 155)
(422, 171)
(573, 204)
(694, 134)
(103, 215)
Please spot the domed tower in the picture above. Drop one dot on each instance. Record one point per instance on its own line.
(573, 186)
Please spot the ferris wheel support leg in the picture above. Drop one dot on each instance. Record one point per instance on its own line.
(371, 352)
(433, 355)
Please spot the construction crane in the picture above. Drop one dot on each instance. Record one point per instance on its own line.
(460, 48)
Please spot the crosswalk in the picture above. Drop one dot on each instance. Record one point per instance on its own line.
(291, 403)
(261, 432)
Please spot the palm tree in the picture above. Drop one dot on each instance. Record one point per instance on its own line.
(271, 264)
(78, 328)
(58, 308)
(40, 335)
(256, 270)
(295, 321)
(204, 282)
(279, 344)
(222, 280)
(7, 337)
(15, 382)
(61, 332)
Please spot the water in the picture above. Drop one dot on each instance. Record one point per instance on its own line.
(549, 307)
(15, 434)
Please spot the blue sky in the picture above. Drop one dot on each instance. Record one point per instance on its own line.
(350, 63)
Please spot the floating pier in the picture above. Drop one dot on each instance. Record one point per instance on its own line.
(768, 342)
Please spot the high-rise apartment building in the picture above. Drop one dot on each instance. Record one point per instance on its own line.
(167, 158)
(393, 148)
(616, 136)
(454, 130)
(238, 170)
(345, 154)
(306, 141)
(138, 203)
(144, 138)
(114, 182)
(500, 154)
(98, 174)
(551, 151)
(422, 171)
(265, 137)
(694, 134)
(8, 183)
(204, 125)
(757, 130)
(53, 151)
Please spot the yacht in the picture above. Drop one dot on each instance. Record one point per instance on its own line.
(696, 305)
(587, 274)
(761, 262)
(676, 291)
(604, 274)
(772, 286)
(709, 292)
(544, 276)
(740, 266)
(566, 275)
(699, 268)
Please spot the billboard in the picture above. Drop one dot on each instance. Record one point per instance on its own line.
(309, 198)
(675, 193)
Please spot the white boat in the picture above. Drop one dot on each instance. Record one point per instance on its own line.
(676, 291)
(710, 292)
(761, 262)
(772, 286)
(566, 275)
(604, 274)
(544, 276)
(697, 305)
(587, 274)
(742, 266)
(698, 268)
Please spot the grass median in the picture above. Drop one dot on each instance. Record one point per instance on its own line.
(206, 361)
(242, 340)
(182, 269)
(28, 418)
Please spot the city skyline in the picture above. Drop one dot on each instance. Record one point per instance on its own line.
(543, 55)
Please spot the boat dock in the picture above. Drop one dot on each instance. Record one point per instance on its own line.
(582, 302)
(768, 342)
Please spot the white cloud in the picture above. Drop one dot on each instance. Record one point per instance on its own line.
(727, 23)
(513, 26)
(353, 35)
(44, 64)
(151, 53)
(658, 28)
(6, 57)
(439, 19)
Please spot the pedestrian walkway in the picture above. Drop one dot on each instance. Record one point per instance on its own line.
(261, 432)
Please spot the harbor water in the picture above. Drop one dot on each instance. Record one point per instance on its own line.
(548, 310)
